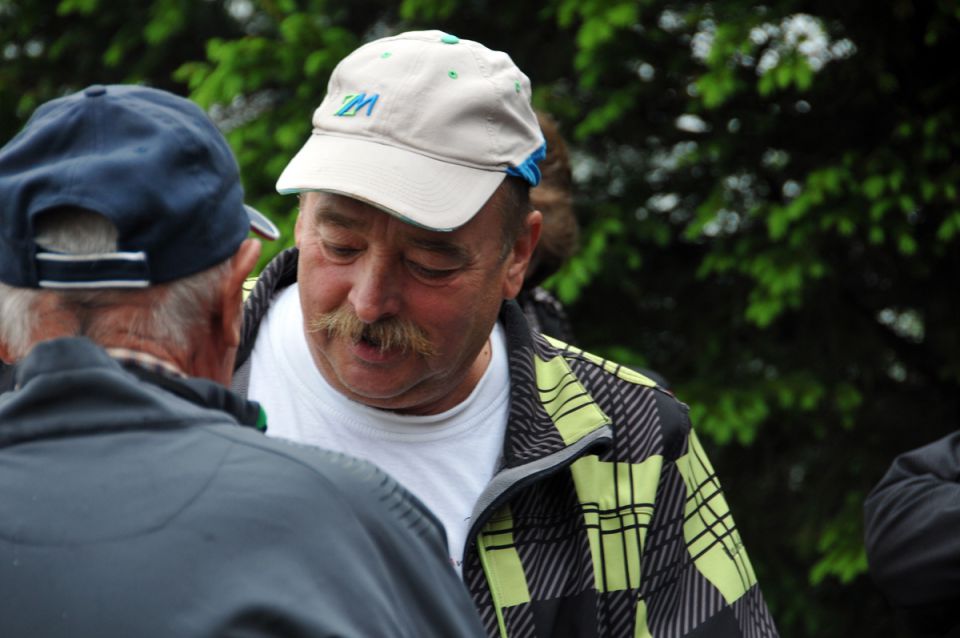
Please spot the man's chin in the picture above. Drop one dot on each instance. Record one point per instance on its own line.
(372, 387)
(382, 399)
(403, 398)
(388, 381)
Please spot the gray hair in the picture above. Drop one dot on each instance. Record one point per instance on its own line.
(165, 312)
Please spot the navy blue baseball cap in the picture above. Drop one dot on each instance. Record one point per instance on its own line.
(150, 162)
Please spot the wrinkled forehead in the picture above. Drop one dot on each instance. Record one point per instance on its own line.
(322, 207)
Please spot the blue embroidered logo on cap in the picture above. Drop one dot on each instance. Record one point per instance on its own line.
(353, 103)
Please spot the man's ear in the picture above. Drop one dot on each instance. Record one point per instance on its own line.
(231, 299)
(5, 354)
(519, 257)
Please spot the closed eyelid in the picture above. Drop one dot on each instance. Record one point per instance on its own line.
(443, 248)
(453, 255)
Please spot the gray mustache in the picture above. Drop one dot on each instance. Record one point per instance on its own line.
(386, 334)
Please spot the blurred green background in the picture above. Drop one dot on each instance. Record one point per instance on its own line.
(767, 192)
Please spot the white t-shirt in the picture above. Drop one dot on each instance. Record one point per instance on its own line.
(445, 459)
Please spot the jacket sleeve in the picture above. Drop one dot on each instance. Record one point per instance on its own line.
(339, 547)
(705, 584)
(406, 555)
(912, 532)
(716, 551)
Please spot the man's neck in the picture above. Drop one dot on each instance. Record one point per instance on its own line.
(146, 360)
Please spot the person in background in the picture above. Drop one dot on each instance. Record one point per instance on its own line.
(576, 497)
(559, 238)
(559, 241)
(911, 520)
(140, 497)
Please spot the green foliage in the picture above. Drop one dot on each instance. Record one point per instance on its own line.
(769, 207)
(842, 555)
(580, 270)
(79, 7)
(52, 47)
(427, 9)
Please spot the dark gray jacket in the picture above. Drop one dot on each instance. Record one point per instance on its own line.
(6, 377)
(140, 507)
(912, 529)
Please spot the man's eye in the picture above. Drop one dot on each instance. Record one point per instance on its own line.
(336, 250)
(429, 273)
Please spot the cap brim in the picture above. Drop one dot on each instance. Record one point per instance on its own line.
(421, 190)
(261, 225)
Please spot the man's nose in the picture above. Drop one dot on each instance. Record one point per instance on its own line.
(375, 293)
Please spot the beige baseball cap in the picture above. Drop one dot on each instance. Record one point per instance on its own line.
(423, 125)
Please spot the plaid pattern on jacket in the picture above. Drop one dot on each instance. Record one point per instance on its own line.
(605, 517)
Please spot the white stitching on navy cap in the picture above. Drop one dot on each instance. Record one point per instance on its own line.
(151, 163)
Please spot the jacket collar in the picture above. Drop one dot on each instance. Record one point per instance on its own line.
(550, 410)
(71, 386)
(280, 273)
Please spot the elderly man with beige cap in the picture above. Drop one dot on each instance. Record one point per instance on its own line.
(576, 498)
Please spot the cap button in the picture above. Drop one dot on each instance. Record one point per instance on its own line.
(95, 91)
(449, 39)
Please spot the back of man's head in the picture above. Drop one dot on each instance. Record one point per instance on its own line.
(121, 212)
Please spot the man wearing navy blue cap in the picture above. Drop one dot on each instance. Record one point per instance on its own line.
(139, 498)
(576, 497)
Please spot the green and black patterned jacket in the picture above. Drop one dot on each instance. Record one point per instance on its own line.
(605, 517)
